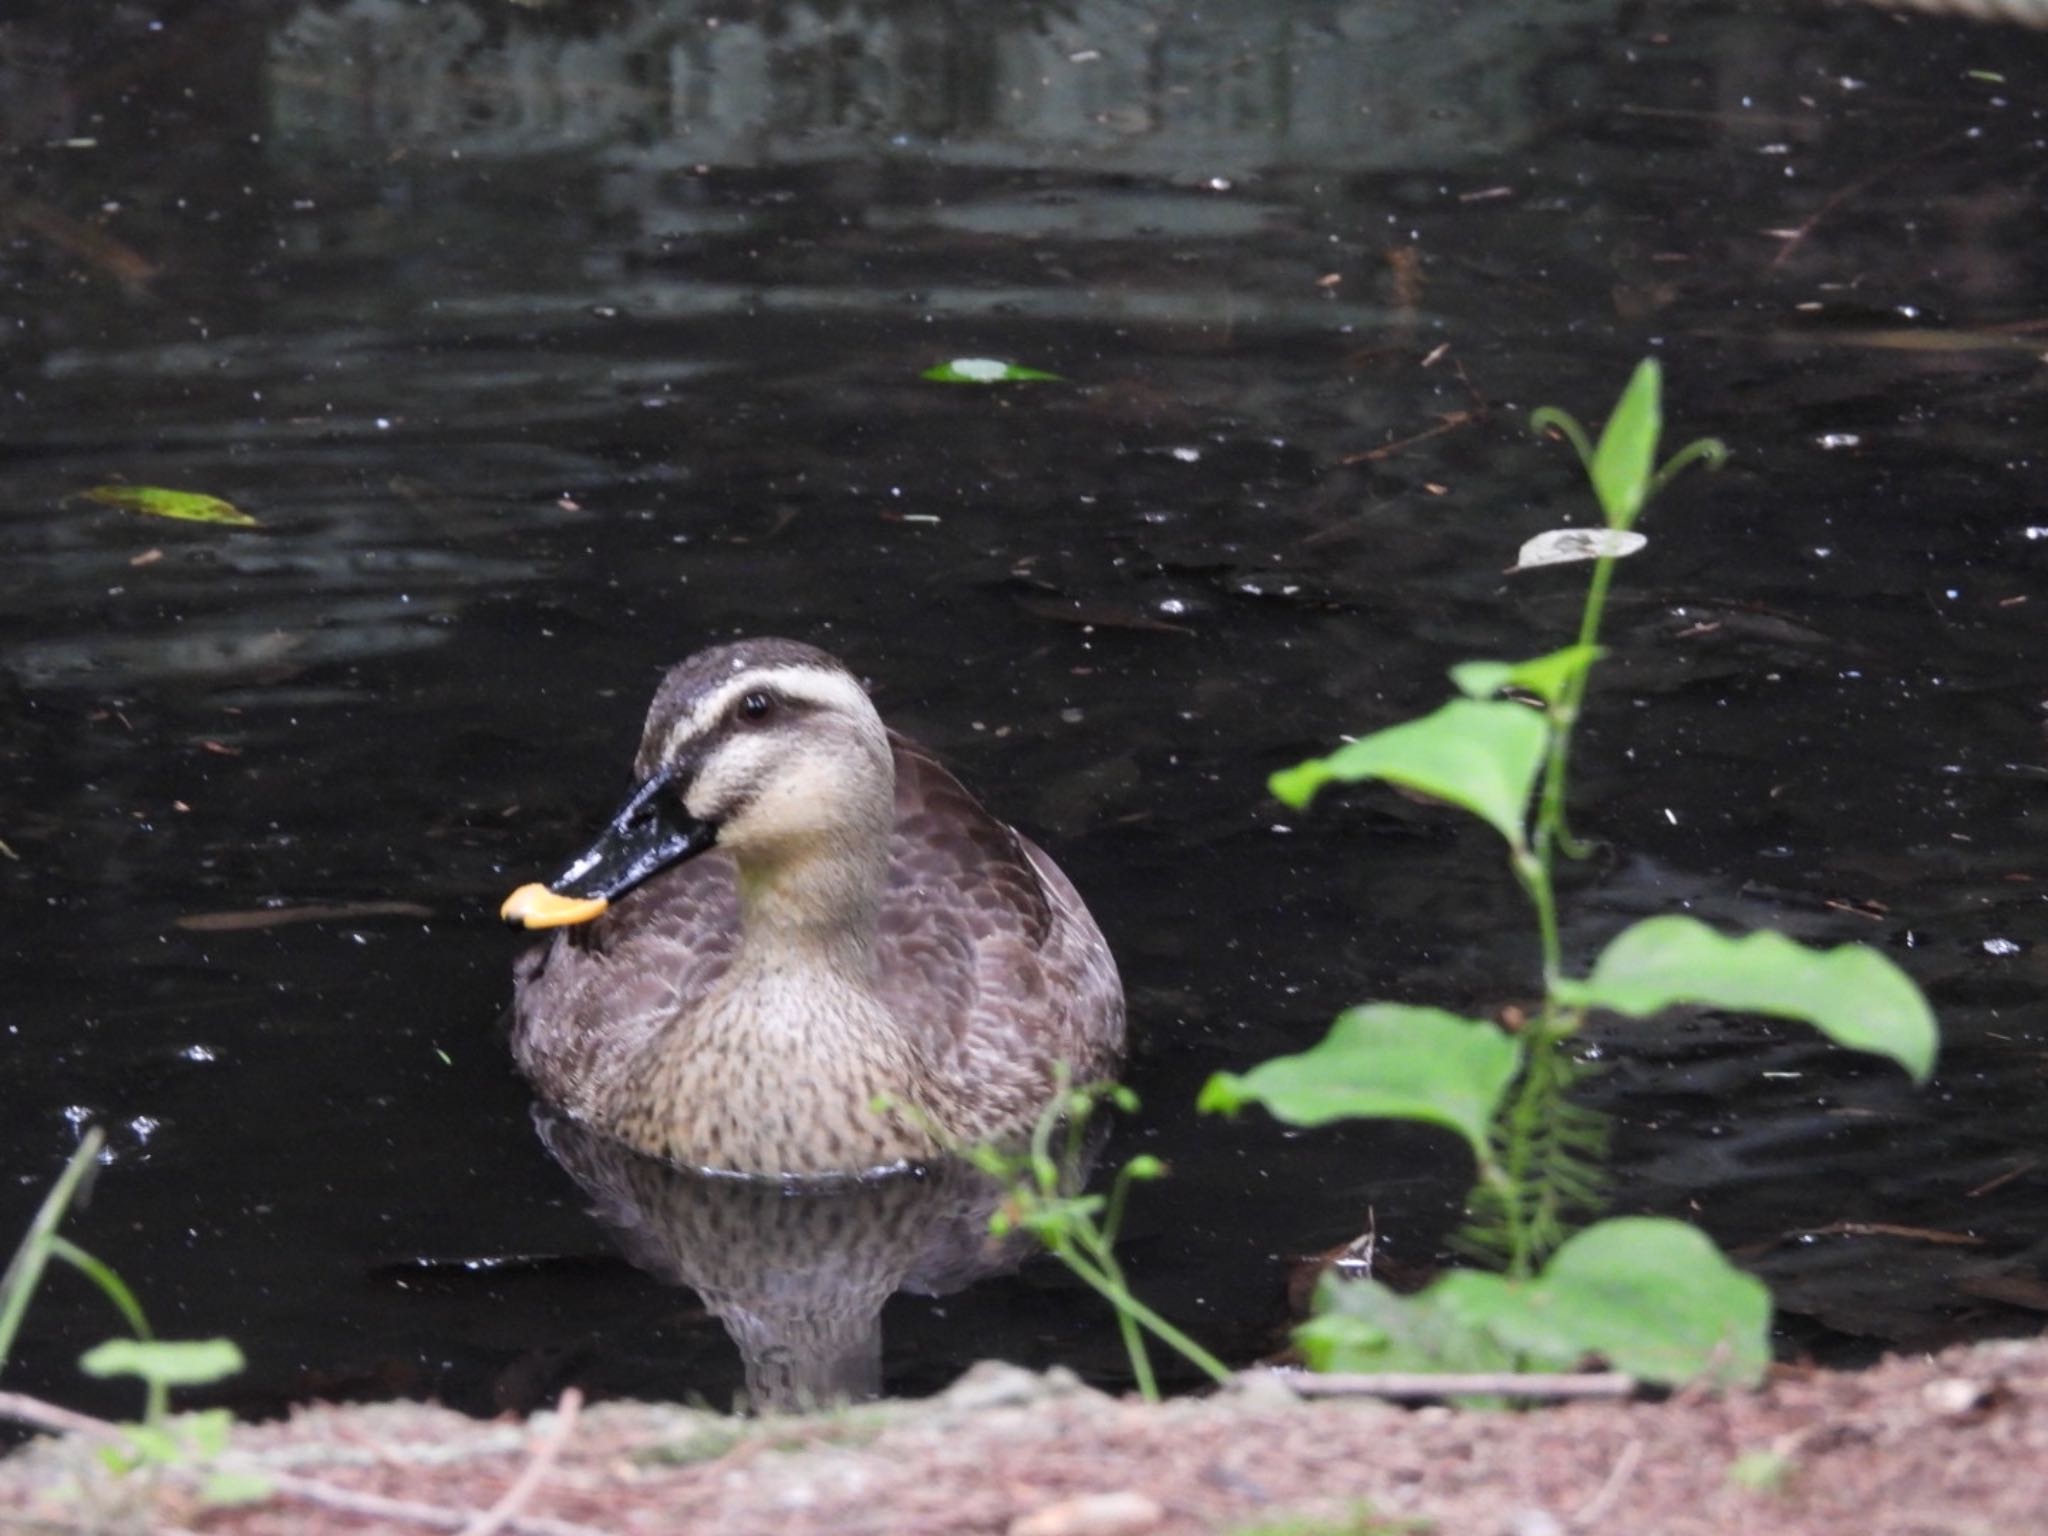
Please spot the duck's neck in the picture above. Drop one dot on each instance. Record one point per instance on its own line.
(813, 908)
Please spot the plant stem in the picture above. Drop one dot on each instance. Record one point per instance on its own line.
(1099, 1274)
(1109, 1282)
(1551, 828)
(1536, 1091)
(1533, 871)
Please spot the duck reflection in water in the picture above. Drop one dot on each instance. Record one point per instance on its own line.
(797, 1271)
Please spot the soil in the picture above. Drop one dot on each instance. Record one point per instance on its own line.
(1954, 1444)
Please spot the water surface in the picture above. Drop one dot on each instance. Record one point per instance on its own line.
(549, 344)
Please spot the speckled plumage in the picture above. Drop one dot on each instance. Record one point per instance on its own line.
(896, 940)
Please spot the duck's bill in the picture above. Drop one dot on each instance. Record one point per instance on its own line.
(650, 832)
(533, 905)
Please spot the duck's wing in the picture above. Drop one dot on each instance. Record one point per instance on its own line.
(987, 948)
(585, 1001)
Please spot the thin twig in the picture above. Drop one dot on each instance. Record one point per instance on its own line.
(1450, 421)
(1796, 236)
(2024, 1165)
(500, 1514)
(435, 1517)
(1624, 1464)
(84, 1525)
(1418, 1384)
(20, 1408)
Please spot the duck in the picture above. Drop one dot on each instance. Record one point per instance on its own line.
(801, 947)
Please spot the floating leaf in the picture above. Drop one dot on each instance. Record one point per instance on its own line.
(986, 370)
(1563, 546)
(1545, 676)
(1852, 994)
(185, 506)
(1481, 755)
(1384, 1061)
(180, 1363)
(1650, 1296)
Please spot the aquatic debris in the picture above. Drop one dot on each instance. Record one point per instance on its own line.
(278, 917)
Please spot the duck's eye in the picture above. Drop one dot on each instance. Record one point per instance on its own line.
(756, 706)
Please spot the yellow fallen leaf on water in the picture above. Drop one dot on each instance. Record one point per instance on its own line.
(185, 506)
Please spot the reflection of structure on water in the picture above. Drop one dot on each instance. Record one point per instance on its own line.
(797, 1272)
(1126, 85)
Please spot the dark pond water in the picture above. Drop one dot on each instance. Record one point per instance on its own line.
(550, 343)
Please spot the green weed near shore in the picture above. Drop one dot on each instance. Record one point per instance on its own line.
(160, 1438)
(1652, 1297)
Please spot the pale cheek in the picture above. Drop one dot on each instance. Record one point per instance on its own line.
(801, 799)
(722, 785)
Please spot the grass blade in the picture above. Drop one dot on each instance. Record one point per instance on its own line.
(25, 1270)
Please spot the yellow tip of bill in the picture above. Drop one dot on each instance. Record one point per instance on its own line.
(535, 906)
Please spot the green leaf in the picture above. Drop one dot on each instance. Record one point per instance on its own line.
(1481, 755)
(1761, 1471)
(1852, 994)
(119, 1457)
(1652, 1297)
(1386, 1061)
(1623, 462)
(185, 506)
(144, 1445)
(1360, 1325)
(111, 1285)
(227, 1489)
(986, 370)
(207, 1433)
(169, 1363)
(1547, 677)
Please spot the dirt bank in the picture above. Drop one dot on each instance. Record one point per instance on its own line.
(1949, 1445)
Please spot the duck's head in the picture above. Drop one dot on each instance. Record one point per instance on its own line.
(768, 748)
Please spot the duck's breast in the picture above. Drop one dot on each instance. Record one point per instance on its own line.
(588, 1001)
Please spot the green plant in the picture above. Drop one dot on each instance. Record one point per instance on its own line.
(1762, 1471)
(159, 1439)
(1653, 1297)
(1080, 1229)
